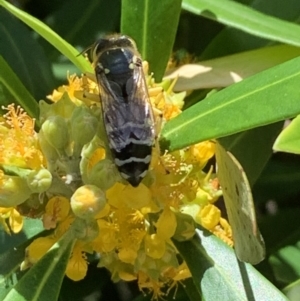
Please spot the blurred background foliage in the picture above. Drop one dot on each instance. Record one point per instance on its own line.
(42, 68)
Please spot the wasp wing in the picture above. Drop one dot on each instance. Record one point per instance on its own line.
(128, 116)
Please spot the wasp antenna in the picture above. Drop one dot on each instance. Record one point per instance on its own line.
(85, 50)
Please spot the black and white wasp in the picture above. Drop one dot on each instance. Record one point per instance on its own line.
(127, 112)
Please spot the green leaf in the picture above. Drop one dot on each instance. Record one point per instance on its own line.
(24, 55)
(31, 228)
(43, 280)
(16, 88)
(192, 290)
(14, 253)
(289, 139)
(153, 25)
(286, 263)
(251, 103)
(280, 179)
(292, 291)
(219, 276)
(277, 232)
(48, 34)
(224, 71)
(88, 20)
(234, 40)
(246, 19)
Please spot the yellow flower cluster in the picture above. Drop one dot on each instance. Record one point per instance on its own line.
(69, 164)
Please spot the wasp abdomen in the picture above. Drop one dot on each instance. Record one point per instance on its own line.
(133, 162)
(131, 146)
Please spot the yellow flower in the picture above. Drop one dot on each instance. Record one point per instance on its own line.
(176, 275)
(19, 143)
(36, 250)
(77, 265)
(209, 216)
(107, 239)
(120, 195)
(23, 171)
(200, 153)
(15, 220)
(148, 284)
(56, 210)
(75, 84)
(166, 224)
(68, 165)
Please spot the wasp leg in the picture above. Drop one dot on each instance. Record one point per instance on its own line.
(85, 95)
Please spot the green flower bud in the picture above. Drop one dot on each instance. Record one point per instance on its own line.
(64, 108)
(86, 230)
(87, 201)
(83, 127)
(39, 180)
(103, 174)
(55, 130)
(48, 150)
(87, 152)
(13, 191)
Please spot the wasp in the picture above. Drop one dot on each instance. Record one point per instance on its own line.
(127, 112)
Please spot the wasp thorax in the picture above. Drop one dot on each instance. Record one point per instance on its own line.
(127, 112)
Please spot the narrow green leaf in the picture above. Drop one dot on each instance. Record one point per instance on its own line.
(16, 88)
(88, 20)
(219, 275)
(31, 228)
(285, 263)
(153, 25)
(11, 259)
(48, 34)
(246, 19)
(192, 290)
(289, 138)
(277, 232)
(227, 70)
(24, 55)
(292, 291)
(279, 180)
(43, 280)
(256, 101)
(241, 40)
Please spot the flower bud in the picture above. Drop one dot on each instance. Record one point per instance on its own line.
(155, 246)
(83, 126)
(91, 153)
(13, 191)
(87, 201)
(39, 180)
(86, 230)
(103, 174)
(55, 130)
(48, 150)
(64, 107)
